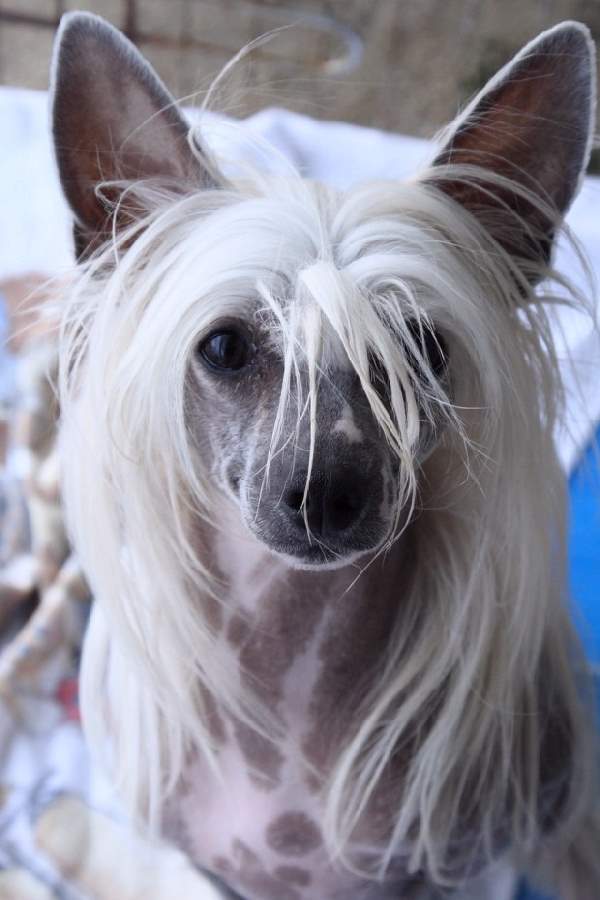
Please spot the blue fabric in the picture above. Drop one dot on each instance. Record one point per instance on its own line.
(526, 893)
(584, 561)
(584, 547)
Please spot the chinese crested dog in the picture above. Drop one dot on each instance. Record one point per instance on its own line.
(309, 471)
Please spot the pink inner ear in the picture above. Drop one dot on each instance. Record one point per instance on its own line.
(519, 132)
(113, 120)
(530, 125)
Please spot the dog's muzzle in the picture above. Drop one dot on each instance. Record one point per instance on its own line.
(334, 518)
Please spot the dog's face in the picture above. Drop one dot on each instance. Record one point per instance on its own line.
(347, 506)
(324, 506)
(305, 444)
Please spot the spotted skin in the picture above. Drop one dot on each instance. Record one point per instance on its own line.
(293, 834)
(295, 636)
(245, 868)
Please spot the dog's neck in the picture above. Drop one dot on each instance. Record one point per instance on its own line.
(307, 640)
(309, 644)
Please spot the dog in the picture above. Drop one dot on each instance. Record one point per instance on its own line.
(308, 469)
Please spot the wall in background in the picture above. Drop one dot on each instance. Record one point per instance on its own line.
(397, 65)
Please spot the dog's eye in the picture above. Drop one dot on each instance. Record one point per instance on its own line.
(432, 346)
(379, 377)
(228, 350)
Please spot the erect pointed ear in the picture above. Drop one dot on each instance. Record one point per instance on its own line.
(532, 124)
(113, 120)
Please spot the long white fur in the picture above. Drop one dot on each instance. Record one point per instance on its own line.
(489, 597)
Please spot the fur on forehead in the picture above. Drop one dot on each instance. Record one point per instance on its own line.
(363, 262)
(338, 277)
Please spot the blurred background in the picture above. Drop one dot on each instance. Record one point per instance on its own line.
(399, 65)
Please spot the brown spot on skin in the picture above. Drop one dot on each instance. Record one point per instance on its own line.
(261, 754)
(246, 873)
(293, 834)
(269, 643)
(293, 875)
(238, 629)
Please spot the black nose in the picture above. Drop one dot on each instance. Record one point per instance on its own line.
(333, 504)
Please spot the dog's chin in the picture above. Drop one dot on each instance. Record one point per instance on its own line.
(315, 557)
(301, 551)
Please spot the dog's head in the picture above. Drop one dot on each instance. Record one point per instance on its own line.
(319, 343)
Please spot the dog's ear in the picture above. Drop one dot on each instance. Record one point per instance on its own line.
(532, 124)
(113, 120)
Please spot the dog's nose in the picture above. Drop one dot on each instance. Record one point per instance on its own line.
(333, 503)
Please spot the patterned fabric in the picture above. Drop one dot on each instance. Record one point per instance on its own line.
(61, 832)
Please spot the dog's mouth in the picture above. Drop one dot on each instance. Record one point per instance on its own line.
(308, 552)
(314, 556)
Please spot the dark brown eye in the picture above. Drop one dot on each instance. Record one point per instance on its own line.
(432, 346)
(228, 350)
(379, 378)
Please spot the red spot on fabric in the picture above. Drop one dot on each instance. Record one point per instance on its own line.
(67, 696)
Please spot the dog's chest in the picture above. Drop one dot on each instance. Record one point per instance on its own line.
(264, 845)
(260, 828)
